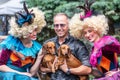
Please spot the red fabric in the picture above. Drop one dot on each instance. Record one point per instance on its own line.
(4, 56)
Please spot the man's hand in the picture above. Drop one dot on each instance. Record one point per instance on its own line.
(64, 67)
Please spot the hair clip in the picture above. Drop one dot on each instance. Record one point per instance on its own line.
(86, 8)
(24, 16)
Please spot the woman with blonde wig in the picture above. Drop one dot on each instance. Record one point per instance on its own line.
(20, 53)
(105, 49)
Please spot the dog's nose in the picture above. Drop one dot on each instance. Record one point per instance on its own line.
(65, 54)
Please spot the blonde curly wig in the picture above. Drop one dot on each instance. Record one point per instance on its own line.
(38, 23)
(98, 23)
(75, 26)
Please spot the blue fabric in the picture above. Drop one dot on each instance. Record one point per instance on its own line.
(112, 66)
(99, 60)
(20, 69)
(14, 76)
(22, 20)
(13, 43)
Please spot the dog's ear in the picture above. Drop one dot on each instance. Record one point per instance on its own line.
(56, 51)
(44, 49)
(59, 51)
(69, 52)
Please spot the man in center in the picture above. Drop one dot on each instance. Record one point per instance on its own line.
(61, 28)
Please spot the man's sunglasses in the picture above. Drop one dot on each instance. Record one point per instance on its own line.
(61, 25)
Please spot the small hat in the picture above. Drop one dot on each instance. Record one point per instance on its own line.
(33, 17)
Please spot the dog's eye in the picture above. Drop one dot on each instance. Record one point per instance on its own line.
(64, 48)
(50, 47)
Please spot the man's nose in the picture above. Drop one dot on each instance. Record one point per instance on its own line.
(59, 27)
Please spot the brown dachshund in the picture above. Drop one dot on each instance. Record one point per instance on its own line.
(49, 51)
(64, 52)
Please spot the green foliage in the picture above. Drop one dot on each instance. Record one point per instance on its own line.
(117, 37)
(70, 9)
(51, 7)
(110, 8)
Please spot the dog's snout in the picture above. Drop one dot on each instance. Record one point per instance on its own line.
(65, 54)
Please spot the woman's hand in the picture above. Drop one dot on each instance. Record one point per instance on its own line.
(36, 65)
(110, 73)
(40, 55)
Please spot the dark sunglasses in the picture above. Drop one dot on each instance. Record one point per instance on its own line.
(61, 25)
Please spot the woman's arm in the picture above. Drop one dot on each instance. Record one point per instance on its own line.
(5, 68)
(36, 65)
(4, 56)
(2, 38)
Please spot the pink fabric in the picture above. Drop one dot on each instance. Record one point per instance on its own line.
(4, 56)
(109, 43)
(115, 76)
(88, 14)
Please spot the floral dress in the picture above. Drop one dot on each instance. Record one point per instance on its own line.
(8, 56)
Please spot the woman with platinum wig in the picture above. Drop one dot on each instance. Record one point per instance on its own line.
(105, 50)
(20, 56)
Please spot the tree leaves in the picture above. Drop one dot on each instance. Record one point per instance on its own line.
(111, 8)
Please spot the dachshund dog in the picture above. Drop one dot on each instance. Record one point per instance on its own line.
(64, 52)
(49, 51)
